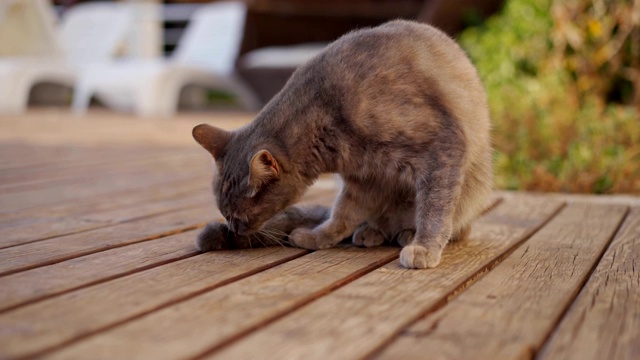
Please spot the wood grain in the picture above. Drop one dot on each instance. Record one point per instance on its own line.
(192, 327)
(604, 321)
(12, 182)
(31, 285)
(32, 255)
(508, 313)
(354, 320)
(99, 129)
(57, 227)
(25, 158)
(119, 198)
(51, 195)
(35, 328)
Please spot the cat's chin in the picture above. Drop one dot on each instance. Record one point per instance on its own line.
(246, 232)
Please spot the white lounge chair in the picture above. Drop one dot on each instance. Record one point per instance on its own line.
(90, 33)
(205, 57)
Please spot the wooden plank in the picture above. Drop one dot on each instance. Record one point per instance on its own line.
(609, 199)
(33, 329)
(88, 175)
(185, 330)
(112, 130)
(54, 175)
(45, 196)
(56, 227)
(96, 203)
(509, 312)
(35, 284)
(604, 321)
(50, 251)
(353, 321)
(32, 255)
(25, 156)
(97, 163)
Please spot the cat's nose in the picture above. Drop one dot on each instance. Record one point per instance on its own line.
(238, 226)
(241, 228)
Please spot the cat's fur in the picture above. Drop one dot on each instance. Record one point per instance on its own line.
(398, 111)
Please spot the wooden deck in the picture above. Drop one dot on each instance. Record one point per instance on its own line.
(97, 261)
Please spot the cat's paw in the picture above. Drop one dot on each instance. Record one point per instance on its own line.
(308, 239)
(405, 236)
(213, 237)
(419, 257)
(367, 236)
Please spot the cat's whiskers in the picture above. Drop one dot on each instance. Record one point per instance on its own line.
(271, 236)
(278, 235)
(275, 231)
(251, 242)
(253, 236)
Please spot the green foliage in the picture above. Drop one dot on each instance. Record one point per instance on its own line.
(563, 80)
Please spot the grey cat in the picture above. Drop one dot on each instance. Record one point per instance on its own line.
(398, 111)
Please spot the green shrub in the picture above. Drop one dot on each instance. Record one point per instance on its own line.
(563, 80)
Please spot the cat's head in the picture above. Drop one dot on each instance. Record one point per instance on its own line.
(254, 181)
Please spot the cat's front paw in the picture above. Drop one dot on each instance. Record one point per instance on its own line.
(367, 236)
(419, 257)
(214, 236)
(308, 239)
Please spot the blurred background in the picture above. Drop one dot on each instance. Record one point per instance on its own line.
(563, 77)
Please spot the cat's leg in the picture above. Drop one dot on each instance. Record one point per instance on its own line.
(433, 230)
(367, 236)
(462, 234)
(347, 213)
(437, 192)
(217, 236)
(404, 237)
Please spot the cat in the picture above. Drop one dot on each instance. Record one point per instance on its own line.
(398, 112)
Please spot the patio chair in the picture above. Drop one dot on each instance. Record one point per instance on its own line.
(90, 33)
(268, 69)
(204, 57)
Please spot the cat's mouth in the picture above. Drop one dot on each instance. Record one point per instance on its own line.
(240, 227)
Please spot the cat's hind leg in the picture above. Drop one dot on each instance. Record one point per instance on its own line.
(404, 237)
(461, 234)
(367, 236)
(437, 192)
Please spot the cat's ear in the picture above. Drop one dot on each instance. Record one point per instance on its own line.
(211, 138)
(264, 168)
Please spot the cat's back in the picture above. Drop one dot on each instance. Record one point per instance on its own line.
(401, 75)
(397, 49)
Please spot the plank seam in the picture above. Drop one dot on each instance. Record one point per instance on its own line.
(44, 209)
(94, 251)
(80, 163)
(491, 206)
(118, 191)
(165, 305)
(99, 281)
(105, 225)
(581, 288)
(463, 286)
